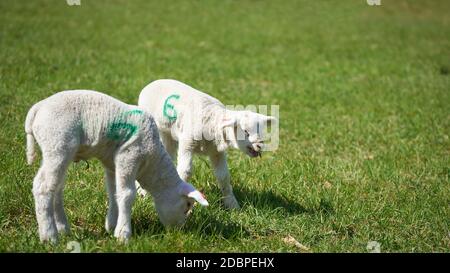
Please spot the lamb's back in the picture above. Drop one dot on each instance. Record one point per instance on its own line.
(171, 101)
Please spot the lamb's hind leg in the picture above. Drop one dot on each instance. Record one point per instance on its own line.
(170, 144)
(111, 217)
(62, 225)
(48, 181)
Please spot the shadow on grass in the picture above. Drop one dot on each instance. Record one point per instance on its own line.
(207, 226)
(271, 200)
(225, 228)
(142, 223)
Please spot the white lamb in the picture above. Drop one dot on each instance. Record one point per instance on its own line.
(81, 124)
(197, 123)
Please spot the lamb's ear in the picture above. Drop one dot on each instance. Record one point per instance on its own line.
(270, 120)
(199, 197)
(189, 191)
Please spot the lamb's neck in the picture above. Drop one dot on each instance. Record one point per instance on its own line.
(160, 174)
(224, 137)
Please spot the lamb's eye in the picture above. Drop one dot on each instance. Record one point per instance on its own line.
(246, 133)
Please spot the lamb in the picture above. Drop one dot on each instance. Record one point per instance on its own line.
(195, 123)
(80, 124)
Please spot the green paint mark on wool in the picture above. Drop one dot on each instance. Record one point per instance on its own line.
(172, 115)
(133, 112)
(122, 128)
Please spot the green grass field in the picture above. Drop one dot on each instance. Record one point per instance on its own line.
(364, 95)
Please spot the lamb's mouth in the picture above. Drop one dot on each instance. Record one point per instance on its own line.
(252, 152)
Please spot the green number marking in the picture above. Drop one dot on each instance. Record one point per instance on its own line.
(167, 106)
(121, 129)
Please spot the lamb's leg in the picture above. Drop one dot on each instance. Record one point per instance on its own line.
(45, 185)
(219, 163)
(125, 195)
(139, 189)
(184, 166)
(170, 144)
(111, 217)
(46, 230)
(62, 225)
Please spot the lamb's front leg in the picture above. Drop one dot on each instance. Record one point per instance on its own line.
(184, 166)
(125, 196)
(219, 163)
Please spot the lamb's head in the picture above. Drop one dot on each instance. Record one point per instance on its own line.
(175, 204)
(248, 130)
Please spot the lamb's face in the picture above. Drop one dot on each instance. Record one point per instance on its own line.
(249, 132)
(250, 136)
(175, 205)
(174, 213)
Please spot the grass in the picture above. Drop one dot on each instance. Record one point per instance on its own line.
(364, 118)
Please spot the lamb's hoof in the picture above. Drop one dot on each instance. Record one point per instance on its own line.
(123, 240)
(110, 227)
(230, 202)
(49, 238)
(141, 191)
(63, 229)
(122, 235)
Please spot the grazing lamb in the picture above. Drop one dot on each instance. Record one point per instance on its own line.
(197, 123)
(80, 124)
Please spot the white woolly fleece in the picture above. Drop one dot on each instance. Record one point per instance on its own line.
(81, 124)
(193, 122)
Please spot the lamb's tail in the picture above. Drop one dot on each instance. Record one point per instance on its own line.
(31, 153)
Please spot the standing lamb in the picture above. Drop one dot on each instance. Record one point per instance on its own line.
(80, 124)
(197, 123)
